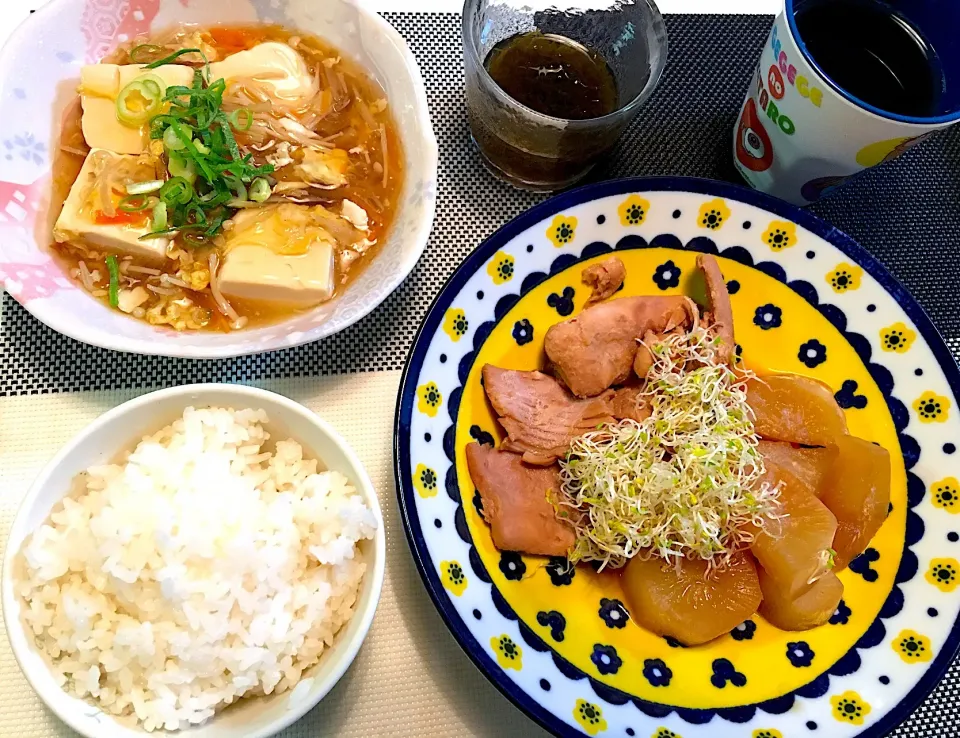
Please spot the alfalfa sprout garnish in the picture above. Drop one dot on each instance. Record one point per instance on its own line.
(686, 482)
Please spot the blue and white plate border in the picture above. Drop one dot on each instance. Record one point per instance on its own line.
(406, 406)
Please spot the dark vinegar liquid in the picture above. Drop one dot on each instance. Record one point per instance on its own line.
(873, 54)
(553, 75)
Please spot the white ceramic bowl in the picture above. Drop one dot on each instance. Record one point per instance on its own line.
(39, 68)
(120, 429)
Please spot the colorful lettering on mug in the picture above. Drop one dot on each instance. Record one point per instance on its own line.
(785, 68)
(768, 106)
(785, 124)
(775, 83)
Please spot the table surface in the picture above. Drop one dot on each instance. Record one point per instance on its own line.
(410, 678)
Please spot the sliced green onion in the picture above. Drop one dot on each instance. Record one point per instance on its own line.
(114, 270)
(239, 190)
(134, 204)
(175, 55)
(213, 199)
(196, 216)
(208, 196)
(172, 141)
(157, 234)
(180, 166)
(194, 240)
(208, 173)
(143, 188)
(153, 83)
(139, 53)
(159, 219)
(228, 138)
(137, 116)
(235, 121)
(259, 189)
(176, 191)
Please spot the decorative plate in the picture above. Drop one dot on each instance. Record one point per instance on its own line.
(806, 300)
(39, 69)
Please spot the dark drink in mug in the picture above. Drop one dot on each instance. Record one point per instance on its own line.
(843, 85)
(886, 63)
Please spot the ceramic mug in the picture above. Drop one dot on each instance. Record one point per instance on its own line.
(800, 134)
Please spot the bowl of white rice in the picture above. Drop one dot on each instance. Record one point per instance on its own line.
(204, 559)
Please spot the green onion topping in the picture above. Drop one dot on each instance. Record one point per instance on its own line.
(159, 219)
(134, 203)
(208, 170)
(138, 102)
(171, 141)
(140, 53)
(143, 188)
(176, 191)
(235, 121)
(180, 166)
(259, 190)
(172, 57)
(114, 270)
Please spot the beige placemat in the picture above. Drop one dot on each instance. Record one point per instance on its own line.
(410, 679)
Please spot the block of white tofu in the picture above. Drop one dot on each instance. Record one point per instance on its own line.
(272, 65)
(77, 221)
(99, 86)
(278, 254)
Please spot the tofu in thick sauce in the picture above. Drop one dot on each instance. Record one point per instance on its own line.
(84, 218)
(258, 187)
(280, 254)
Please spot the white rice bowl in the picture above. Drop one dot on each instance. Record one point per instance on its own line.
(209, 566)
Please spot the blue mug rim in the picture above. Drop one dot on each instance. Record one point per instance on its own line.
(789, 14)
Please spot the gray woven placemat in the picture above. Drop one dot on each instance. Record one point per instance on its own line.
(906, 212)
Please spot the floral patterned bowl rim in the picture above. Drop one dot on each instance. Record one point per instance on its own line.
(408, 433)
(48, 49)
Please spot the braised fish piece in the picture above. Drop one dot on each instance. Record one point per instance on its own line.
(539, 415)
(643, 361)
(596, 349)
(629, 404)
(720, 310)
(604, 278)
(515, 502)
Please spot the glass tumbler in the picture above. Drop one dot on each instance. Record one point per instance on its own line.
(539, 152)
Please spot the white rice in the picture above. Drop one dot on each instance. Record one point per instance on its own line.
(202, 570)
